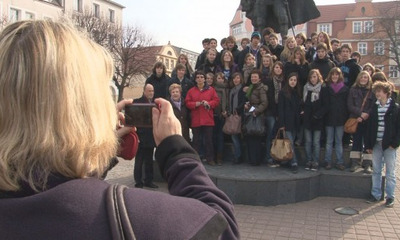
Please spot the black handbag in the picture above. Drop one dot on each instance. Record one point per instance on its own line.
(254, 126)
(118, 218)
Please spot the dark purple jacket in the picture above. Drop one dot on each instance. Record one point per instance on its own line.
(76, 209)
(355, 100)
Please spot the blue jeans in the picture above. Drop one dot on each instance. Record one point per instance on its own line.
(292, 136)
(312, 144)
(237, 145)
(270, 123)
(331, 134)
(380, 157)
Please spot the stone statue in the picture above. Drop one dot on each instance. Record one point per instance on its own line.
(274, 13)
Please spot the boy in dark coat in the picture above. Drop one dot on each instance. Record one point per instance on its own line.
(159, 80)
(322, 61)
(349, 66)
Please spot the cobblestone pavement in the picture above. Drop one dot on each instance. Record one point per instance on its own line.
(313, 219)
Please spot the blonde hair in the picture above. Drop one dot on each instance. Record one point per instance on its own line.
(57, 115)
(357, 82)
(287, 52)
(174, 86)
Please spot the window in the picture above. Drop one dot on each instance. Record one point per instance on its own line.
(78, 5)
(369, 26)
(111, 39)
(236, 29)
(381, 67)
(172, 64)
(167, 63)
(357, 27)
(29, 15)
(169, 53)
(379, 48)
(394, 49)
(112, 15)
(325, 27)
(96, 10)
(397, 26)
(362, 48)
(393, 72)
(15, 14)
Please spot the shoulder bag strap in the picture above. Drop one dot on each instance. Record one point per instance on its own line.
(120, 225)
(365, 99)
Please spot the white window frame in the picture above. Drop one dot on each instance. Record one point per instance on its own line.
(18, 14)
(397, 26)
(167, 63)
(96, 10)
(354, 27)
(78, 6)
(360, 48)
(325, 27)
(30, 13)
(379, 48)
(367, 28)
(111, 15)
(381, 67)
(237, 29)
(393, 72)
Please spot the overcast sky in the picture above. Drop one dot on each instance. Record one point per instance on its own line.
(186, 23)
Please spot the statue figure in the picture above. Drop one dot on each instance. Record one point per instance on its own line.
(278, 13)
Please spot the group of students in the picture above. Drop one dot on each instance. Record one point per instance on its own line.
(309, 87)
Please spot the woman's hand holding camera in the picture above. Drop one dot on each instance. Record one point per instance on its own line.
(121, 129)
(165, 123)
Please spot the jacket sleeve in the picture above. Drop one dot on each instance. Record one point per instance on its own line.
(214, 101)
(224, 100)
(187, 177)
(264, 100)
(351, 104)
(396, 140)
(190, 103)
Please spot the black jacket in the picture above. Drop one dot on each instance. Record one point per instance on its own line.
(310, 54)
(146, 139)
(301, 70)
(241, 101)
(391, 135)
(337, 113)
(323, 65)
(208, 67)
(276, 51)
(159, 84)
(355, 100)
(236, 53)
(272, 109)
(289, 111)
(183, 115)
(350, 70)
(315, 111)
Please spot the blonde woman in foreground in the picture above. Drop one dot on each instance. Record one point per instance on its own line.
(57, 134)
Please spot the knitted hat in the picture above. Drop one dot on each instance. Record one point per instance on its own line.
(256, 34)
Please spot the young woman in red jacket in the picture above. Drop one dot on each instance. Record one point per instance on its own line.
(202, 100)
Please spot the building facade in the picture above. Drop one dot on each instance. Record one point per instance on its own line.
(359, 24)
(16, 10)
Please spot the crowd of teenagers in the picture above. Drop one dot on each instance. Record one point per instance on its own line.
(308, 86)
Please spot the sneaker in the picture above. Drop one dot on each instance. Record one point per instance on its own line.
(341, 167)
(354, 165)
(295, 169)
(314, 166)
(328, 166)
(367, 169)
(372, 199)
(308, 166)
(389, 203)
(273, 165)
(150, 185)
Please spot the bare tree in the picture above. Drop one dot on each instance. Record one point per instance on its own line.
(130, 47)
(134, 57)
(385, 32)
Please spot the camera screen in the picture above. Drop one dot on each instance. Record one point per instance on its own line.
(139, 115)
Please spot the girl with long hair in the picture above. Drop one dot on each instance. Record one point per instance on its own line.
(288, 50)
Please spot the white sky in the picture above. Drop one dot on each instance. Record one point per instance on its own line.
(186, 23)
